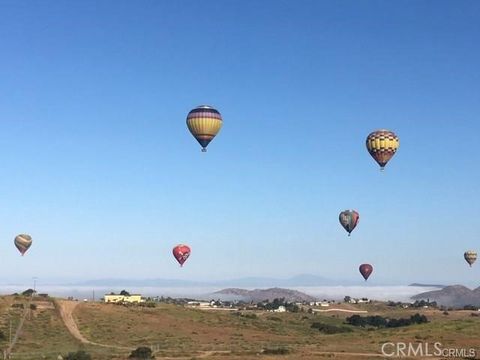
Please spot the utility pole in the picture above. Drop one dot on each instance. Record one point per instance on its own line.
(34, 284)
(93, 295)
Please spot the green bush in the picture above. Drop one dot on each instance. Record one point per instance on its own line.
(381, 322)
(276, 351)
(79, 355)
(274, 318)
(330, 329)
(142, 352)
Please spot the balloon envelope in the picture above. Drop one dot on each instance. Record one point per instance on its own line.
(23, 243)
(181, 253)
(349, 220)
(366, 270)
(382, 145)
(204, 122)
(470, 257)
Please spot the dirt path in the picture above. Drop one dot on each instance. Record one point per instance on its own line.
(342, 310)
(19, 330)
(66, 308)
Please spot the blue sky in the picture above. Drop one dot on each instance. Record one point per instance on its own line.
(98, 166)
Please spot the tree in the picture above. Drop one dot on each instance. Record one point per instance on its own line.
(347, 299)
(124, 293)
(79, 355)
(28, 292)
(142, 352)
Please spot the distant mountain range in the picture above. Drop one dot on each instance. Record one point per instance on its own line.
(258, 295)
(428, 285)
(299, 280)
(455, 296)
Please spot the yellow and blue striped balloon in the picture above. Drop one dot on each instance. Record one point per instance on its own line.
(204, 122)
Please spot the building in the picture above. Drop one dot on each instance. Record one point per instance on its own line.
(281, 308)
(114, 298)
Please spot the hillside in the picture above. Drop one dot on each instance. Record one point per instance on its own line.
(455, 296)
(110, 332)
(266, 294)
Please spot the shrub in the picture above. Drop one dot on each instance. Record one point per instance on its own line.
(142, 352)
(381, 322)
(274, 318)
(79, 355)
(330, 329)
(276, 351)
(28, 292)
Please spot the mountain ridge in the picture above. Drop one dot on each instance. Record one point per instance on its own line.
(453, 295)
(297, 280)
(258, 295)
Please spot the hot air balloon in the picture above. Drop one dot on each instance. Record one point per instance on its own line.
(349, 220)
(204, 122)
(366, 270)
(382, 145)
(23, 242)
(181, 253)
(470, 257)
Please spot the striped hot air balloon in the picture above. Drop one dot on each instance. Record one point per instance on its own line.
(23, 243)
(349, 220)
(181, 253)
(470, 257)
(382, 145)
(204, 122)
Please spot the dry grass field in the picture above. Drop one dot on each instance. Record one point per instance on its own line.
(176, 332)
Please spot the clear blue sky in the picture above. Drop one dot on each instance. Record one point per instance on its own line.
(98, 166)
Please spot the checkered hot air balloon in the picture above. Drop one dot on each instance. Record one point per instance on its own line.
(470, 257)
(204, 122)
(349, 220)
(23, 243)
(181, 253)
(382, 145)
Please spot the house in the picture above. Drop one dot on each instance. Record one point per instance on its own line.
(114, 298)
(281, 308)
(324, 304)
(202, 304)
(363, 301)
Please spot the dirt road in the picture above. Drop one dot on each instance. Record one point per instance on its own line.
(66, 308)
